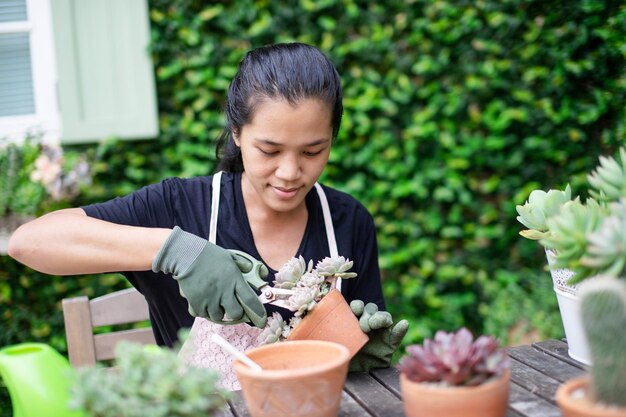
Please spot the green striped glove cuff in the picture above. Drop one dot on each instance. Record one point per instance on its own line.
(178, 252)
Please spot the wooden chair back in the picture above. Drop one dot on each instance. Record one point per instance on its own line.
(82, 315)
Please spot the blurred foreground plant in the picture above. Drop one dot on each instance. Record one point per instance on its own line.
(147, 381)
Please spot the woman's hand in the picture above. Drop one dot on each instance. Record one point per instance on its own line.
(210, 280)
(385, 337)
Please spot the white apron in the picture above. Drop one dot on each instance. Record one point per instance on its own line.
(199, 350)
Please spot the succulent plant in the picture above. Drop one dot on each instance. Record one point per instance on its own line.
(291, 272)
(588, 239)
(148, 381)
(273, 330)
(569, 236)
(337, 267)
(538, 208)
(603, 310)
(303, 299)
(606, 248)
(454, 359)
(311, 279)
(309, 286)
(608, 180)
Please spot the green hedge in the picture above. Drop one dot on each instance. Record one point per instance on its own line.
(454, 111)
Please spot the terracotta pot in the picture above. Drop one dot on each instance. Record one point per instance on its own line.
(573, 400)
(430, 400)
(332, 320)
(299, 378)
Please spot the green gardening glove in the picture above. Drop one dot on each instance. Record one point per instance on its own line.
(385, 337)
(209, 278)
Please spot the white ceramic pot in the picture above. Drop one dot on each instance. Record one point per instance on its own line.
(569, 306)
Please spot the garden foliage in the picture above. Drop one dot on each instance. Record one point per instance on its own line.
(454, 112)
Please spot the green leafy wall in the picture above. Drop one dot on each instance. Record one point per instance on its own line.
(454, 111)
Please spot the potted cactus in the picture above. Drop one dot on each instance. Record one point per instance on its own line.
(147, 381)
(455, 375)
(581, 239)
(321, 312)
(602, 393)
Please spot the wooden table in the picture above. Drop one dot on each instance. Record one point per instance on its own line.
(537, 370)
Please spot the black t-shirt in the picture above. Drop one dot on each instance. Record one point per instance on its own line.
(187, 203)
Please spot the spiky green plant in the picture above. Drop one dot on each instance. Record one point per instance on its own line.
(588, 239)
(538, 208)
(568, 236)
(603, 310)
(606, 248)
(608, 180)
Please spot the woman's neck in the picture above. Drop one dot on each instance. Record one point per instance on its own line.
(277, 235)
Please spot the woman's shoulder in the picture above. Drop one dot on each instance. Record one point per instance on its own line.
(201, 184)
(201, 180)
(186, 182)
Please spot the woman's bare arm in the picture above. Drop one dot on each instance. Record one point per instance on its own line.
(68, 242)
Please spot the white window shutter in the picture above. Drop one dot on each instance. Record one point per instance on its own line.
(105, 74)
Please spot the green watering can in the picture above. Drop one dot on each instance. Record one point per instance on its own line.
(38, 380)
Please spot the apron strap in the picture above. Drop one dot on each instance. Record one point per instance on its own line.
(215, 207)
(330, 230)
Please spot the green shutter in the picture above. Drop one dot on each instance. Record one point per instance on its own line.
(16, 79)
(106, 79)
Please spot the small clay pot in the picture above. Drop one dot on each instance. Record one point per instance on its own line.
(302, 378)
(429, 400)
(581, 405)
(332, 320)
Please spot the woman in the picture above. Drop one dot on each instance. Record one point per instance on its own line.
(283, 110)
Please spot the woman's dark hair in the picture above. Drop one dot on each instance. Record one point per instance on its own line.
(287, 71)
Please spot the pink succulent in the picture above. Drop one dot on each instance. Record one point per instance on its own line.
(454, 359)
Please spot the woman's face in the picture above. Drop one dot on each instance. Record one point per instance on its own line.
(284, 150)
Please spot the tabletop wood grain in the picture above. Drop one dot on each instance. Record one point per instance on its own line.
(537, 370)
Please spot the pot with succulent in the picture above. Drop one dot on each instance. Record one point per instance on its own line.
(321, 312)
(581, 239)
(601, 393)
(455, 375)
(303, 375)
(147, 381)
